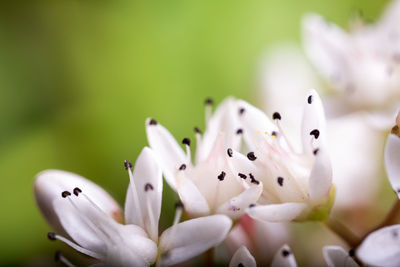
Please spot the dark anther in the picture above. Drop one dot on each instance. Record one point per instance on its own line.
(197, 130)
(208, 101)
(152, 122)
(309, 99)
(230, 152)
(239, 131)
(251, 156)
(178, 205)
(315, 132)
(274, 133)
(241, 175)
(127, 165)
(221, 177)
(252, 205)
(285, 253)
(57, 256)
(352, 252)
(51, 236)
(280, 181)
(182, 167)
(252, 179)
(65, 194)
(148, 187)
(315, 152)
(276, 116)
(240, 265)
(241, 111)
(77, 190)
(186, 141)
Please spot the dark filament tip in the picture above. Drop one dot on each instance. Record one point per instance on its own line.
(309, 99)
(230, 152)
(127, 165)
(315, 132)
(152, 122)
(77, 190)
(208, 101)
(276, 116)
(221, 177)
(148, 187)
(251, 156)
(51, 236)
(186, 141)
(182, 167)
(65, 194)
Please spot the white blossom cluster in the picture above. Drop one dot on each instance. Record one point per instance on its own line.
(248, 167)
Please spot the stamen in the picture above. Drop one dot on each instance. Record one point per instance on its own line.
(282, 133)
(309, 99)
(152, 221)
(186, 142)
(239, 131)
(208, 102)
(135, 196)
(221, 177)
(230, 152)
(127, 165)
(75, 246)
(241, 175)
(253, 180)
(285, 252)
(276, 116)
(241, 111)
(252, 205)
(315, 152)
(77, 191)
(65, 194)
(280, 181)
(182, 167)
(153, 122)
(148, 187)
(274, 134)
(197, 130)
(251, 156)
(58, 256)
(352, 252)
(315, 133)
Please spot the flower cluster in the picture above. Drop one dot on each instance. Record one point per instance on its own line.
(247, 168)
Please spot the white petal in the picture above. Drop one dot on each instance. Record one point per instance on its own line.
(194, 202)
(223, 120)
(255, 124)
(320, 181)
(284, 258)
(147, 177)
(336, 256)
(167, 150)
(50, 184)
(276, 212)
(242, 257)
(313, 119)
(236, 206)
(191, 238)
(382, 247)
(392, 162)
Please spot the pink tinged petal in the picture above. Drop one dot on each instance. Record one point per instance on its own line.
(147, 178)
(392, 161)
(191, 238)
(381, 248)
(167, 150)
(224, 120)
(50, 183)
(236, 206)
(242, 257)
(255, 124)
(313, 125)
(284, 258)
(194, 202)
(276, 212)
(320, 180)
(336, 256)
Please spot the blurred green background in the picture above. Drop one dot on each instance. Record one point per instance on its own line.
(78, 79)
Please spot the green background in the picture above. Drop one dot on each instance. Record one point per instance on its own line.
(78, 79)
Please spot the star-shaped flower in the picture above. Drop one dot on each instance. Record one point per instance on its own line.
(87, 214)
(206, 186)
(296, 185)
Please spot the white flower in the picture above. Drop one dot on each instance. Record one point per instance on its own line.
(296, 185)
(336, 256)
(206, 186)
(242, 258)
(363, 65)
(84, 211)
(381, 247)
(392, 157)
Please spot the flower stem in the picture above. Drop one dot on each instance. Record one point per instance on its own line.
(342, 231)
(209, 258)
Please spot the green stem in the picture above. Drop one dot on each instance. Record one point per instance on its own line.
(342, 231)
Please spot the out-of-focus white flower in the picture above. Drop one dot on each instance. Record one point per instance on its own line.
(363, 65)
(242, 258)
(392, 157)
(285, 79)
(336, 256)
(381, 247)
(84, 213)
(284, 258)
(296, 185)
(208, 186)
